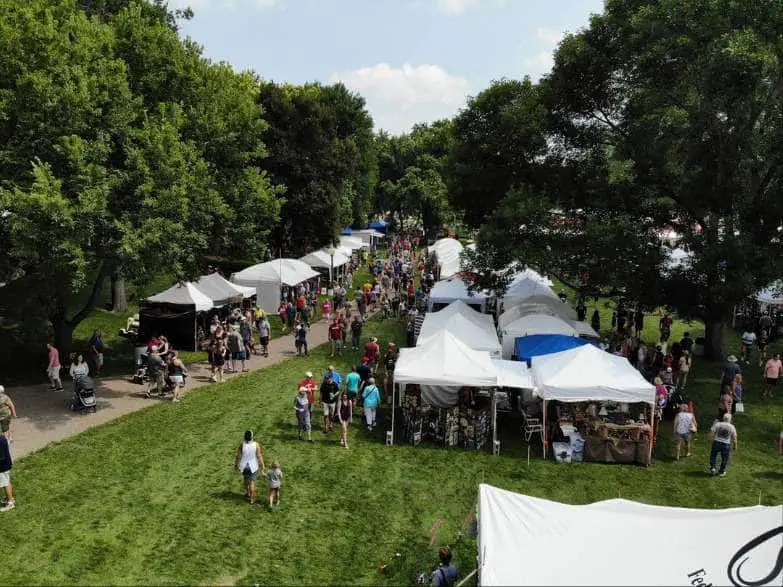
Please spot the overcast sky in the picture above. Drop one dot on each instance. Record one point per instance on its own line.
(412, 60)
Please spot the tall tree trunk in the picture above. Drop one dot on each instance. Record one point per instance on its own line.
(119, 301)
(62, 331)
(715, 338)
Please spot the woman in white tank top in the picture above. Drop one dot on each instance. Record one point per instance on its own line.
(249, 461)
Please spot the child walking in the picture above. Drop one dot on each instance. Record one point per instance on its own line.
(275, 477)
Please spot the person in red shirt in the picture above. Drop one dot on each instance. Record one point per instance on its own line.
(300, 305)
(372, 351)
(335, 337)
(310, 385)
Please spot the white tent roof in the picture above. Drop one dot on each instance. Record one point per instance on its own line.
(531, 324)
(220, 290)
(772, 294)
(369, 232)
(183, 294)
(458, 307)
(322, 259)
(285, 271)
(351, 242)
(531, 274)
(587, 373)
(527, 288)
(536, 305)
(448, 251)
(584, 329)
(527, 540)
(476, 335)
(513, 374)
(445, 360)
(450, 290)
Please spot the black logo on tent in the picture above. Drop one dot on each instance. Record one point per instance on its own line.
(743, 554)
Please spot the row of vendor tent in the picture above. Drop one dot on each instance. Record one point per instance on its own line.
(525, 540)
(175, 312)
(368, 236)
(447, 291)
(772, 295)
(475, 329)
(322, 259)
(443, 364)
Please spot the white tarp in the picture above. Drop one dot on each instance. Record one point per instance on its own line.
(525, 288)
(527, 540)
(183, 294)
(351, 242)
(448, 252)
(269, 277)
(547, 305)
(367, 235)
(221, 291)
(532, 324)
(446, 361)
(514, 374)
(450, 290)
(321, 258)
(479, 335)
(587, 373)
(584, 329)
(772, 294)
(529, 273)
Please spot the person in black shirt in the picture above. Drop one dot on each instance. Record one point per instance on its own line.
(329, 392)
(686, 344)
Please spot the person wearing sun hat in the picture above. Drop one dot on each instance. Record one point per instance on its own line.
(730, 370)
(310, 387)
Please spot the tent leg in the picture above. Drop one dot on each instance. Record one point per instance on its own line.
(195, 333)
(394, 409)
(544, 431)
(651, 437)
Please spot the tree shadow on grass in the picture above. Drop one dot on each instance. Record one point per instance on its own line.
(698, 474)
(768, 475)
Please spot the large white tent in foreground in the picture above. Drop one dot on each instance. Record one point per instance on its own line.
(531, 541)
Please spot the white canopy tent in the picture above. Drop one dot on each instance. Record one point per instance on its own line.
(448, 252)
(183, 294)
(441, 368)
(553, 307)
(531, 324)
(532, 274)
(221, 291)
(351, 242)
(584, 329)
(514, 374)
(527, 288)
(367, 235)
(450, 290)
(321, 258)
(527, 540)
(479, 334)
(270, 277)
(587, 373)
(772, 295)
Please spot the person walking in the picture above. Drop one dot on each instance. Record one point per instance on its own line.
(335, 337)
(53, 368)
(5, 475)
(96, 350)
(371, 399)
(177, 374)
(356, 332)
(302, 411)
(773, 371)
(237, 348)
(275, 478)
(352, 382)
(684, 428)
(7, 412)
(723, 435)
(330, 389)
(683, 369)
(249, 461)
(446, 574)
(264, 333)
(345, 415)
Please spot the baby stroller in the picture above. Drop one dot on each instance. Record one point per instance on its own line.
(84, 395)
(141, 376)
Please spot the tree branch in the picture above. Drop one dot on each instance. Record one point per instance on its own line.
(103, 273)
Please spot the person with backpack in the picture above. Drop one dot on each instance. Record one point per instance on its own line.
(446, 574)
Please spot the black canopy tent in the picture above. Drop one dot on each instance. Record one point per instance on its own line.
(174, 313)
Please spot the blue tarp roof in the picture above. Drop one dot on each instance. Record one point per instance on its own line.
(347, 231)
(378, 225)
(527, 347)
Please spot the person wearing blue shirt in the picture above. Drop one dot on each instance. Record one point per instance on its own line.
(333, 375)
(446, 574)
(352, 382)
(371, 398)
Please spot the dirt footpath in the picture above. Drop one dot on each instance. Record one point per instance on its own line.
(45, 417)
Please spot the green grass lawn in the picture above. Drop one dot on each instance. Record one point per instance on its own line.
(152, 498)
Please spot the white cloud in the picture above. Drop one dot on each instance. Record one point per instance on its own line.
(457, 7)
(549, 36)
(539, 64)
(399, 97)
(213, 5)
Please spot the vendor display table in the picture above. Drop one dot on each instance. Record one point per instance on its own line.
(612, 450)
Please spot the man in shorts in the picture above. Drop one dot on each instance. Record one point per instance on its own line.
(53, 368)
(155, 370)
(773, 371)
(264, 330)
(5, 475)
(352, 382)
(329, 392)
(7, 411)
(335, 337)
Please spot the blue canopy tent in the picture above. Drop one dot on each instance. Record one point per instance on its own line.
(347, 231)
(378, 225)
(527, 347)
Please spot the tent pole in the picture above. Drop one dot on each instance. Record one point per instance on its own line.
(544, 434)
(394, 395)
(195, 332)
(651, 436)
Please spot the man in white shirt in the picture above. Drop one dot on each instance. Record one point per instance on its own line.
(748, 342)
(723, 436)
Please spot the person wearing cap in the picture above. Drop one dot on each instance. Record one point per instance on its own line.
(309, 385)
(723, 436)
(371, 399)
(302, 409)
(7, 411)
(730, 370)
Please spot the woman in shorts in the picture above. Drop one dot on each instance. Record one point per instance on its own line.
(684, 427)
(249, 461)
(345, 415)
(177, 374)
